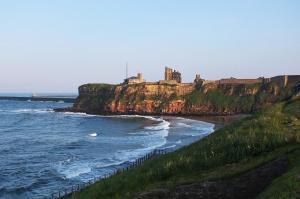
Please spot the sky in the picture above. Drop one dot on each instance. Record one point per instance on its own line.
(57, 45)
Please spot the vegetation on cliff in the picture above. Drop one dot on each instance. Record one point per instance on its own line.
(242, 98)
(227, 153)
(96, 102)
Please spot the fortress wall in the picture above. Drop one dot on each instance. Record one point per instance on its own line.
(240, 81)
(210, 82)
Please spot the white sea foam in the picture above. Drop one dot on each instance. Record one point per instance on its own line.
(179, 142)
(130, 155)
(181, 124)
(112, 161)
(169, 147)
(163, 125)
(74, 169)
(113, 116)
(203, 127)
(78, 114)
(120, 157)
(93, 134)
(152, 137)
(130, 117)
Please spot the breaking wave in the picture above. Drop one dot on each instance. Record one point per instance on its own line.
(163, 125)
(181, 124)
(73, 169)
(79, 114)
(130, 117)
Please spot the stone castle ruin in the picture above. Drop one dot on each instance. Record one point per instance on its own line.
(173, 77)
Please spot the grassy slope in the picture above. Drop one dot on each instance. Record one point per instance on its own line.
(228, 152)
(239, 98)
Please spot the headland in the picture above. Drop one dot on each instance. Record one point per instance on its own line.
(172, 97)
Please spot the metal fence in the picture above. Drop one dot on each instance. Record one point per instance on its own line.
(137, 162)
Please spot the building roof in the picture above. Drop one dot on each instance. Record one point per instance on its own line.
(133, 77)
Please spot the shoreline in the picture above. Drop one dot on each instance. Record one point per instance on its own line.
(219, 120)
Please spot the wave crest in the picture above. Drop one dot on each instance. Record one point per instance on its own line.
(163, 125)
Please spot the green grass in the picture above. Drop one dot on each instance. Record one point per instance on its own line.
(228, 152)
(234, 98)
(287, 185)
(99, 86)
(221, 100)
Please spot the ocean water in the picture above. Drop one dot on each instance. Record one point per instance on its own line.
(42, 151)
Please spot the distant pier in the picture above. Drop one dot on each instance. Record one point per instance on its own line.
(67, 99)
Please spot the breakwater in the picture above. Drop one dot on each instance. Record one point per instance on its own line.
(44, 98)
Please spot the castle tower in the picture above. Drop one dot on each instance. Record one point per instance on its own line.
(140, 76)
(168, 74)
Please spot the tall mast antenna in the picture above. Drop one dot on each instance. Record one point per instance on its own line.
(126, 70)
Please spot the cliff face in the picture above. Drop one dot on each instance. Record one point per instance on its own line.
(155, 98)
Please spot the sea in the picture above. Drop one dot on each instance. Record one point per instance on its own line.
(42, 151)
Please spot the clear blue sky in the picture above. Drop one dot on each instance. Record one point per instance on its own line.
(56, 45)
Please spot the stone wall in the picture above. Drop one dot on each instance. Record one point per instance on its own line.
(239, 81)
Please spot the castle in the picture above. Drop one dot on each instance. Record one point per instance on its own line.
(173, 77)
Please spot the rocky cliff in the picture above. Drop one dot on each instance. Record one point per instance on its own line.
(185, 99)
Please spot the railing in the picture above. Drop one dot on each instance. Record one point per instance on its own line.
(136, 163)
